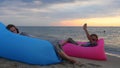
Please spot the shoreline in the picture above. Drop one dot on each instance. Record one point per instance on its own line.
(112, 54)
(112, 61)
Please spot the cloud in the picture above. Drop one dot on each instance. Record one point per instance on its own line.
(47, 12)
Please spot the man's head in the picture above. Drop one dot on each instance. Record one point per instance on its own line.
(94, 37)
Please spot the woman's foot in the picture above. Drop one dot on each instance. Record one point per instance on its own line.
(60, 46)
(79, 64)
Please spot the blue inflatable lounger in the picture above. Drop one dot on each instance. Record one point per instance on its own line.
(26, 49)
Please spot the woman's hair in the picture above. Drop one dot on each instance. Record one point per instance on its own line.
(94, 35)
(10, 26)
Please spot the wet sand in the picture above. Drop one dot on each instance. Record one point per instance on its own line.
(112, 62)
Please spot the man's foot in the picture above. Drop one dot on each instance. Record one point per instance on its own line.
(70, 40)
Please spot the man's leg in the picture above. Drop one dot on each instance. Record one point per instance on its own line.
(70, 40)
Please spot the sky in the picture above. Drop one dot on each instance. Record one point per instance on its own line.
(60, 12)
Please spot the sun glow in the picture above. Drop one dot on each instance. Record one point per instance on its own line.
(105, 21)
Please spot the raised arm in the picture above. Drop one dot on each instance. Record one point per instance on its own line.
(86, 31)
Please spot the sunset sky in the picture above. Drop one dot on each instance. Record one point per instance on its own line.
(60, 12)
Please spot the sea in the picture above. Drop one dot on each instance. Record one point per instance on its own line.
(111, 35)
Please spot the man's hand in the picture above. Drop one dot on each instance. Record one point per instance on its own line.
(85, 26)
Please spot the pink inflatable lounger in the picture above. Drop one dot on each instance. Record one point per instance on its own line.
(96, 53)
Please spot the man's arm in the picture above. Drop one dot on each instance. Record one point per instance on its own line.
(86, 31)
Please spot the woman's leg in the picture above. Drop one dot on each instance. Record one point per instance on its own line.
(66, 57)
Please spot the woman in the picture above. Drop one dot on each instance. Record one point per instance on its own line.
(14, 29)
(57, 47)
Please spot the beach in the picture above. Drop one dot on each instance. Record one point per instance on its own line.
(55, 33)
(32, 33)
(111, 39)
(112, 62)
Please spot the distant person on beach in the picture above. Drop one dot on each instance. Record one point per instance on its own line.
(104, 31)
(56, 45)
(93, 38)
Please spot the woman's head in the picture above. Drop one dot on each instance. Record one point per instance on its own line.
(12, 28)
(94, 37)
